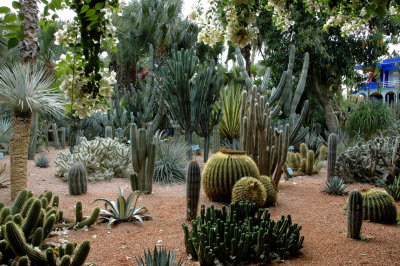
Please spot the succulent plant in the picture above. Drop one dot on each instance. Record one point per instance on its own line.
(122, 209)
(103, 159)
(249, 189)
(392, 189)
(335, 186)
(272, 193)
(379, 207)
(322, 153)
(303, 150)
(77, 180)
(332, 146)
(42, 161)
(222, 171)
(159, 257)
(192, 190)
(310, 163)
(108, 132)
(238, 236)
(354, 214)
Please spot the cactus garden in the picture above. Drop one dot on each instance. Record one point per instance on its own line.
(179, 132)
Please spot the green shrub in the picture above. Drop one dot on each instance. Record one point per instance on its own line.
(370, 117)
(171, 164)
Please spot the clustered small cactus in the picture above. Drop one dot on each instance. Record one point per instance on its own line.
(304, 160)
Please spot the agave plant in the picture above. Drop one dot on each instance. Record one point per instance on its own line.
(229, 125)
(335, 186)
(393, 189)
(42, 161)
(122, 210)
(160, 258)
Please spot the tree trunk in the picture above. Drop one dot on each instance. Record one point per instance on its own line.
(33, 139)
(206, 147)
(330, 117)
(188, 138)
(19, 144)
(246, 53)
(126, 74)
(29, 46)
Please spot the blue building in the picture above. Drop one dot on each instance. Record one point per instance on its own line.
(389, 85)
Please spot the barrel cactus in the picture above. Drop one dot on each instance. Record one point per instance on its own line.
(222, 171)
(77, 180)
(249, 189)
(272, 193)
(379, 207)
(192, 190)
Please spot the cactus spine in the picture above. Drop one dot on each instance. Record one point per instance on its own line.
(379, 207)
(143, 152)
(108, 132)
(354, 215)
(332, 144)
(55, 136)
(192, 190)
(216, 139)
(77, 180)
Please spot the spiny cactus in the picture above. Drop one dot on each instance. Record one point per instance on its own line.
(249, 189)
(42, 161)
(108, 132)
(55, 136)
(354, 215)
(238, 237)
(192, 190)
(215, 139)
(143, 154)
(222, 171)
(379, 207)
(332, 146)
(322, 153)
(310, 162)
(303, 150)
(77, 180)
(272, 193)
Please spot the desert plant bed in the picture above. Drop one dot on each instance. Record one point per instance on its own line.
(321, 216)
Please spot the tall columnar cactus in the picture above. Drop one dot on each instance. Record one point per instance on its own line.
(108, 132)
(63, 140)
(249, 189)
(354, 215)
(310, 162)
(216, 139)
(379, 207)
(222, 171)
(55, 136)
(143, 151)
(192, 190)
(332, 144)
(77, 180)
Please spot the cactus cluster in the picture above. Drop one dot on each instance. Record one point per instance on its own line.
(240, 236)
(366, 162)
(143, 154)
(355, 215)
(249, 189)
(192, 190)
(27, 223)
(222, 171)
(102, 159)
(303, 161)
(379, 207)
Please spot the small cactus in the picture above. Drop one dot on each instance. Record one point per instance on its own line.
(249, 189)
(192, 190)
(355, 215)
(42, 161)
(272, 193)
(303, 150)
(310, 162)
(77, 180)
(108, 132)
(303, 165)
(322, 153)
(379, 207)
(332, 144)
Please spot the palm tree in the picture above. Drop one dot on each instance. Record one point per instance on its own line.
(24, 89)
(29, 46)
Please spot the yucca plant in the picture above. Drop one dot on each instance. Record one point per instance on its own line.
(5, 132)
(229, 125)
(335, 186)
(42, 161)
(393, 189)
(122, 210)
(159, 258)
(171, 163)
(24, 89)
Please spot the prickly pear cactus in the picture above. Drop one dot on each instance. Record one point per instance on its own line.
(102, 158)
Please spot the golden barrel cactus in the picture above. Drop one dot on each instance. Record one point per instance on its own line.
(249, 189)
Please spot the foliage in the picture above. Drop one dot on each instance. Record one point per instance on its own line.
(335, 186)
(102, 158)
(42, 161)
(229, 125)
(171, 163)
(159, 257)
(392, 189)
(122, 210)
(240, 236)
(5, 132)
(369, 117)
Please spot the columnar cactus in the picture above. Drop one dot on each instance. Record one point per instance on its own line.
(143, 151)
(354, 215)
(108, 132)
(63, 140)
(77, 180)
(332, 144)
(249, 189)
(192, 190)
(310, 162)
(379, 207)
(303, 150)
(55, 136)
(322, 153)
(216, 139)
(222, 171)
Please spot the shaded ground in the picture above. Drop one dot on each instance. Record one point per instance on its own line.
(321, 215)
